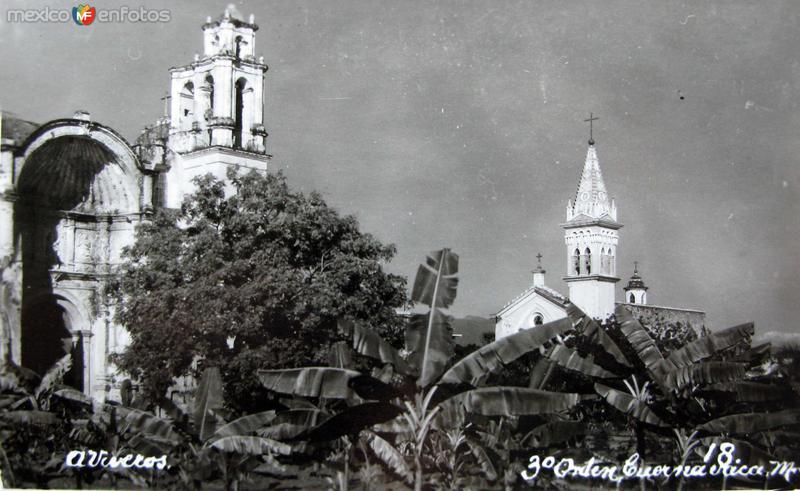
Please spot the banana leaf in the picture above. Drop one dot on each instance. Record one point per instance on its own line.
(448, 416)
(710, 372)
(640, 340)
(74, 395)
(54, 375)
(331, 383)
(39, 418)
(429, 339)
(751, 391)
(351, 421)
(571, 360)
(148, 446)
(246, 424)
(289, 424)
(368, 343)
(730, 337)
(594, 334)
(207, 402)
(137, 421)
(480, 454)
(628, 404)
(756, 355)
(549, 434)
(513, 401)
(390, 457)
(437, 279)
(540, 373)
(745, 423)
(708, 345)
(488, 359)
(251, 445)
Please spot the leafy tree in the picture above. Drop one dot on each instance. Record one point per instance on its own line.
(248, 279)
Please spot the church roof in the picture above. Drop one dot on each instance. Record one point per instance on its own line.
(591, 198)
(543, 291)
(636, 281)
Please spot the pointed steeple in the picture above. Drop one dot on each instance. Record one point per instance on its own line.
(591, 198)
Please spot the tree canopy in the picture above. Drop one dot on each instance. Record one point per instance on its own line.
(255, 279)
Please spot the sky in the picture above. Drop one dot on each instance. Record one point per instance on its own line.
(460, 124)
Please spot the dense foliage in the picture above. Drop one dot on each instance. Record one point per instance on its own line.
(429, 417)
(252, 279)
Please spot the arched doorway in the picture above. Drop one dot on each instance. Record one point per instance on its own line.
(77, 197)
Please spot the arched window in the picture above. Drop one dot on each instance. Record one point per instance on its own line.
(238, 126)
(538, 320)
(588, 261)
(186, 106)
(238, 46)
(210, 103)
(632, 299)
(576, 260)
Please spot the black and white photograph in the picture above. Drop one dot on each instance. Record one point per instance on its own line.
(402, 245)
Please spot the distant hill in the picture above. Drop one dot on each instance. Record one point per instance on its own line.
(472, 329)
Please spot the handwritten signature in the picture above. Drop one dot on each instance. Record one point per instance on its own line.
(92, 458)
(726, 464)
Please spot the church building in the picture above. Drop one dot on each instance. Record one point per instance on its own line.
(591, 237)
(73, 190)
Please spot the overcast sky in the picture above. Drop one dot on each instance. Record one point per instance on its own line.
(460, 124)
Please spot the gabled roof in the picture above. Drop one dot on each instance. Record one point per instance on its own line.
(591, 198)
(546, 293)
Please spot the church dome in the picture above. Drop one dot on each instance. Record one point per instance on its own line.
(74, 173)
(636, 281)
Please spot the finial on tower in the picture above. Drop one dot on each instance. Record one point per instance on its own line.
(539, 262)
(538, 273)
(590, 121)
(636, 267)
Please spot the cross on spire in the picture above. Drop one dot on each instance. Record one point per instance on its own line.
(539, 268)
(590, 121)
(636, 267)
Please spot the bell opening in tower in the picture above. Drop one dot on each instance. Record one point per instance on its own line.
(238, 126)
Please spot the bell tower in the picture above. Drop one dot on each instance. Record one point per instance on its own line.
(591, 234)
(216, 116)
(636, 292)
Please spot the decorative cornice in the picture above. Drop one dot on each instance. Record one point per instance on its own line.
(584, 221)
(230, 151)
(591, 277)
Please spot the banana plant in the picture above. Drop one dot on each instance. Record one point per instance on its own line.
(202, 444)
(712, 387)
(408, 412)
